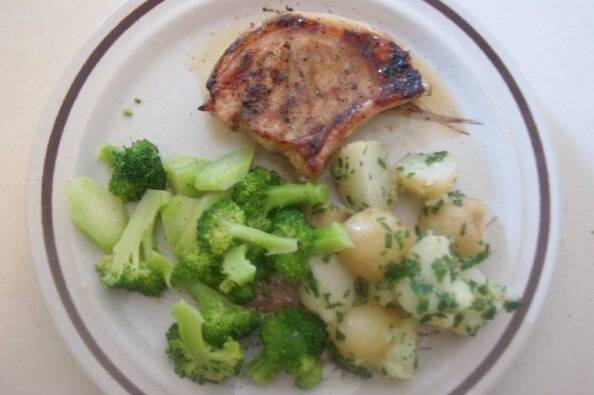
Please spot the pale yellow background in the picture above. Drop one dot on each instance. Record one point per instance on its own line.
(552, 42)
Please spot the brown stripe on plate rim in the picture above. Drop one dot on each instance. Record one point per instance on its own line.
(47, 186)
(143, 9)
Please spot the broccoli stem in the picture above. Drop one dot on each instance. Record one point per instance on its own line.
(181, 174)
(188, 235)
(292, 194)
(158, 263)
(106, 152)
(308, 373)
(238, 269)
(175, 216)
(262, 370)
(140, 224)
(225, 171)
(274, 245)
(101, 216)
(330, 239)
(190, 323)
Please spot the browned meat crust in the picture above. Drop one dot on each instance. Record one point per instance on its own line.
(300, 83)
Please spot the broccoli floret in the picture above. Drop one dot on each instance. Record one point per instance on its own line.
(194, 261)
(243, 294)
(134, 264)
(249, 194)
(290, 222)
(193, 356)
(181, 174)
(223, 223)
(263, 190)
(134, 169)
(293, 340)
(222, 319)
(197, 264)
(238, 270)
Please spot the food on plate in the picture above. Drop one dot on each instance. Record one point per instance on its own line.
(192, 355)
(364, 177)
(370, 338)
(181, 173)
(459, 217)
(101, 216)
(134, 169)
(290, 222)
(362, 282)
(262, 254)
(222, 319)
(135, 263)
(293, 341)
(379, 239)
(326, 214)
(222, 173)
(300, 83)
(330, 291)
(427, 176)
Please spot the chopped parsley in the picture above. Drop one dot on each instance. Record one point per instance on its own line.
(127, 112)
(463, 229)
(381, 161)
(137, 100)
(512, 305)
(457, 198)
(388, 240)
(435, 157)
(467, 263)
(349, 200)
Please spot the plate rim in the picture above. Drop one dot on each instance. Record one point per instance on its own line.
(41, 229)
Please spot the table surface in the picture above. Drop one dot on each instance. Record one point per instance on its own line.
(551, 41)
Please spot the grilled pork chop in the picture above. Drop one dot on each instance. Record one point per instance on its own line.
(300, 83)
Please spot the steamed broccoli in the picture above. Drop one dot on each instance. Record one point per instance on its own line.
(263, 190)
(238, 270)
(293, 340)
(134, 169)
(242, 294)
(181, 174)
(223, 223)
(290, 222)
(134, 264)
(193, 356)
(222, 173)
(194, 261)
(222, 319)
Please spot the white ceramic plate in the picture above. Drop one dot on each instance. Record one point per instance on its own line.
(162, 52)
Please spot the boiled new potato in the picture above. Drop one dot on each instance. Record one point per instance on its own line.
(489, 299)
(327, 214)
(427, 175)
(330, 291)
(363, 175)
(377, 337)
(461, 218)
(431, 287)
(380, 239)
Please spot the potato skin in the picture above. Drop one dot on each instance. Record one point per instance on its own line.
(363, 334)
(459, 217)
(363, 175)
(427, 176)
(380, 239)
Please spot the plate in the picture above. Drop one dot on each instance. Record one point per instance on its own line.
(162, 51)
